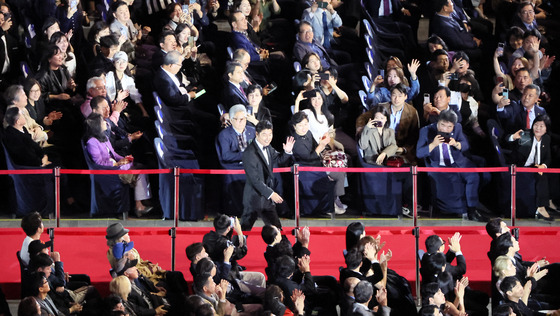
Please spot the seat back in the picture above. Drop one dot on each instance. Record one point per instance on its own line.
(363, 98)
(24, 275)
(297, 66)
(366, 82)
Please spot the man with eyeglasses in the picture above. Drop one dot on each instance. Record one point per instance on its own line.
(525, 18)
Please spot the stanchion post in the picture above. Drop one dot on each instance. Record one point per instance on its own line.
(416, 233)
(513, 172)
(414, 171)
(173, 234)
(176, 174)
(295, 170)
(57, 195)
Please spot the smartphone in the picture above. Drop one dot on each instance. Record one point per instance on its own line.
(272, 86)
(426, 98)
(500, 79)
(185, 8)
(309, 94)
(323, 76)
(501, 45)
(323, 5)
(192, 1)
(249, 110)
(7, 16)
(446, 136)
(232, 221)
(221, 109)
(381, 72)
(190, 41)
(199, 93)
(505, 93)
(453, 76)
(377, 123)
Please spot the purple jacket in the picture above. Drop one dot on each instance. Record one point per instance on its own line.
(99, 153)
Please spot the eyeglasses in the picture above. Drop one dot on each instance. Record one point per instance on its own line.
(528, 12)
(101, 88)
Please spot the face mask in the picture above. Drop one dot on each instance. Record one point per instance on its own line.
(463, 87)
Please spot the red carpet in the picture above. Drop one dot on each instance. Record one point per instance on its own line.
(83, 250)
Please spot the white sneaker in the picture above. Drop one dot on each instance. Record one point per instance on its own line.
(339, 203)
(338, 210)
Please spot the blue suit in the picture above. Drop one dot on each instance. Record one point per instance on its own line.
(228, 147)
(514, 117)
(239, 40)
(175, 101)
(448, 187)
(454, 34)
(232, 96)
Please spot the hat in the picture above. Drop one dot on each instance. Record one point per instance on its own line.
(37, 246)
(115, 231)
(124, 264)
(120, 55)
(120, 248)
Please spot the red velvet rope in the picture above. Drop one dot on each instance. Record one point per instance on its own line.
(278, 170)
(27, 171)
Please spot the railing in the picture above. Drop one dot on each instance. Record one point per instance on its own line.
(295, 170)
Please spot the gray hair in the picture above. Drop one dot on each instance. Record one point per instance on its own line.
(91, 82)
(534, 87)
(236, 109)
(12, 94)
(448, 116)
(173, 57)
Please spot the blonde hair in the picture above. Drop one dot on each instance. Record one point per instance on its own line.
(500, 265)
(120, 286)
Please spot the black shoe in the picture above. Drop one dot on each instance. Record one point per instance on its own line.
(540, 216)
(474, 215)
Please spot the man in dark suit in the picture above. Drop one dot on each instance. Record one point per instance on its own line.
(520, 114)
(230, 145)
(442, 144)
(167, 43)
(435, 244)
(239, 38)
(455, 35)
(442, 102)
(259, 197)
(233, 92)
(233, 140)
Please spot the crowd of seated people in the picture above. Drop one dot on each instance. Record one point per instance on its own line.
(498, 83)
(221, 286)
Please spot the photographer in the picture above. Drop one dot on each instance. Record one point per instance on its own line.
(219, 244)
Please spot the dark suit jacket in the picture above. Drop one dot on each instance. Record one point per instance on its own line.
(372, 7)
(452, 107)
(304, 150)
(260, 179)
(455, 35)
(232, 96)
(21, 147)
(301, 49)
(175, 102)
(306, 285)
(230, 155)
(427, 135)
(377, 275)
(239, 40)
(521, 151)
(514, 116)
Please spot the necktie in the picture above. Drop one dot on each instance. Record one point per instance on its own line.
(386, 9)
(242, 91)
(326, 34)
(242, 143)
(537, 154)
(265, 153)
(528, 123)
(446, 156)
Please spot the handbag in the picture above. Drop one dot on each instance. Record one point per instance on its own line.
(128, 178)
(335, 159)
(394, 161)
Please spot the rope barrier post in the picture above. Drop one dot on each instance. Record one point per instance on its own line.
(416, 233)
(173, 234)
(295, 170)
(513, 172)
(57, 195)
(414, 171)
(176, 174)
